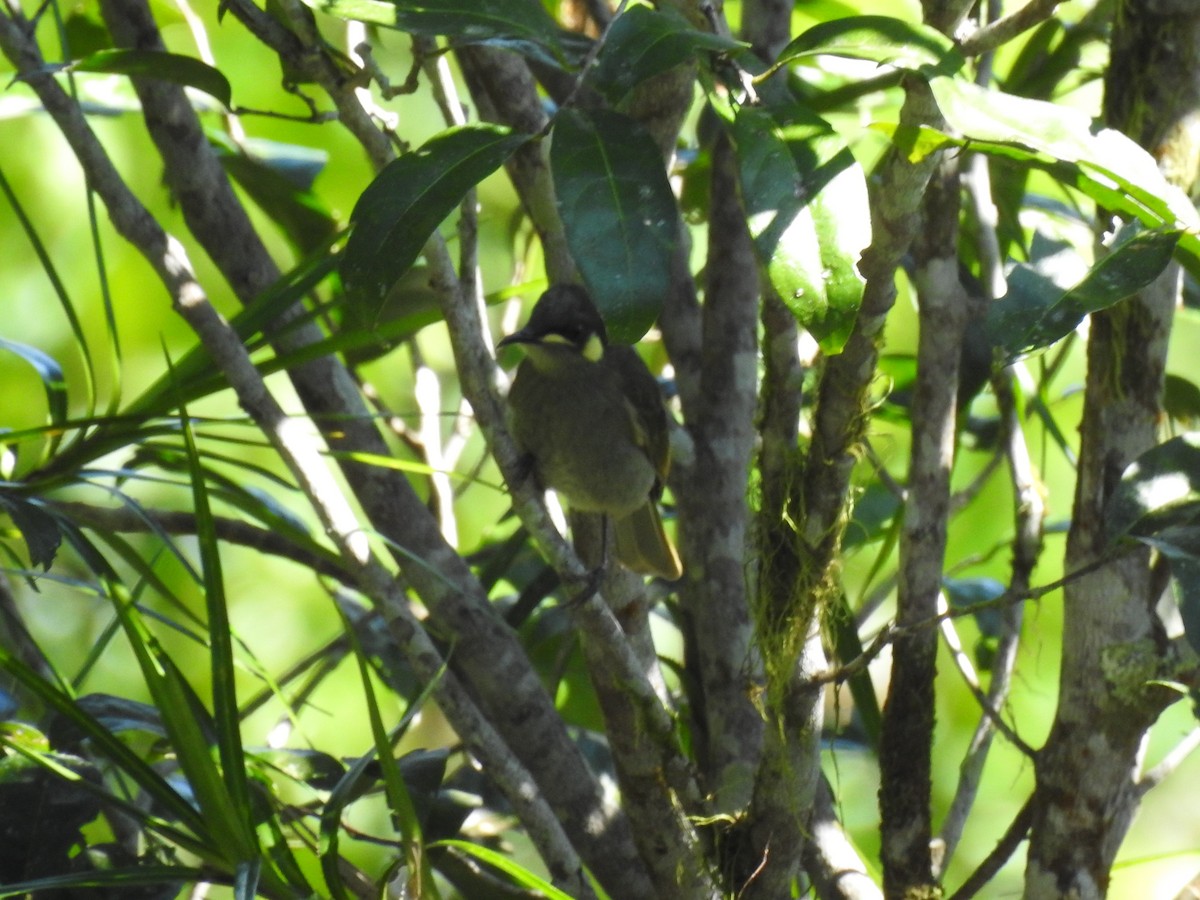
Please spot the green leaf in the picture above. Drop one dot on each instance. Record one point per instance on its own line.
(407, 201)
(38, 528)
(883, 39)
(51, 374)
(619, 214)
(236, 794)
(517, 872)
(1101, 162)
(806, 200)
(1181, 398)
(1035, 313)
(279, 177)
(513, 24)
(1158, 499)
(174, 67)
(1186, 572)
(643, 43)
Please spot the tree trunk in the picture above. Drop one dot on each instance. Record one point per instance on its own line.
(1114, 645)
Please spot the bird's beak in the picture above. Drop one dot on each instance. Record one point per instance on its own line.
(517, 337)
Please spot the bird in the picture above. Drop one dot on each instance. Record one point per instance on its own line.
(588, 417)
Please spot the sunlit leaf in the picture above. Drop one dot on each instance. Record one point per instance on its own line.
(413, 194)
(806, 200)
(1158, 499)
(619, 214)
(1103, 163)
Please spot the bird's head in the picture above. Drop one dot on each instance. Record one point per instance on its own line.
(563, 321)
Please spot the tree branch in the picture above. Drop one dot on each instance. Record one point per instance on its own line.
(994, 35)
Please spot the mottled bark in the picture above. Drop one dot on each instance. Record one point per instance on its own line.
(1113, 643)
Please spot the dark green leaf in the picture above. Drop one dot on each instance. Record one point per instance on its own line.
(807, 204)
(86, 34)
(895, 42)
(119, 714)
(1186, 572)
(413, 194)
(174, 67)
(38, 528)
(1181, 398)
(514, 24)
(1158, 499)
(279, 178)
(965, 593)
(619, 214)
(642, 43)
(1035, 313)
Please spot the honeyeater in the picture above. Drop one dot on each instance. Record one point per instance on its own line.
(590, 418)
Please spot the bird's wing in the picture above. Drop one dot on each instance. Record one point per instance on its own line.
(643, 401)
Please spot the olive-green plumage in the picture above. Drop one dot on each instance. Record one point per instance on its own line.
(591, 418)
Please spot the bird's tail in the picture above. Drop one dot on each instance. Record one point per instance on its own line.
(643, 545)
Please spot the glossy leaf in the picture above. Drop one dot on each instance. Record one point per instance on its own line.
(883, 39)
(643, 43)
(807, 204)
(1104, 164)
(174, 67)
(513, 24)
(1158, 499)
(619, 214)
(1186, 572)
(1035, 313)
(407, 201)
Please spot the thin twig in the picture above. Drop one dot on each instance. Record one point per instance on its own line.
(892, 631)
(1002, 31)
(1000, 854)
(967, 670)
(1170, 762)
(229, 530)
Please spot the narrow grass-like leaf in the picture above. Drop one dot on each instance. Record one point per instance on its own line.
(404, 814)
(112, 748)
(64, 301)
(518, 873)
(191, 730)
(50, 373)
(107, 880)
(409, 198)
(223, 670)
(348, 788)
(619, 214)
